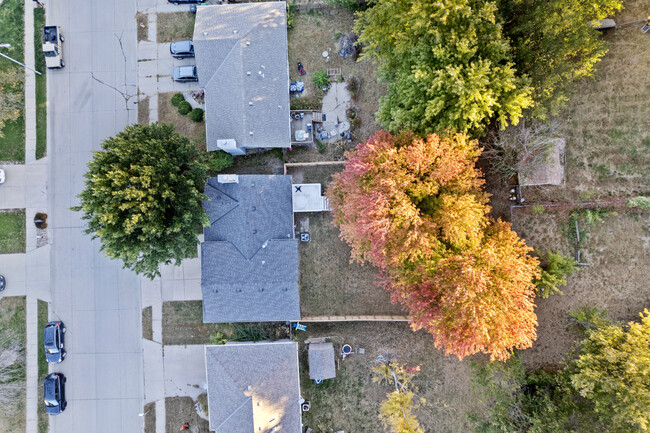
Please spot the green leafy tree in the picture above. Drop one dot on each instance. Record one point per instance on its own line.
(143, 197)
(555, 44)
(613, 372)
(447, 64)
(555, 270)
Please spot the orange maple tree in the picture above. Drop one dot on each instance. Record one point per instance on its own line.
(416, 209)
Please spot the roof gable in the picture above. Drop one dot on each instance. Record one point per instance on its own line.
(241, 56)
(266, 374)
(249, 260)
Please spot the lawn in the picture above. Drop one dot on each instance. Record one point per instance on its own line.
(175, 26)
(167, 113)
(12, 135)
(43, 418)
(608, 155)
(12, 323)
(606, 121)
(41, 85)
(617, 280)
(12, 232)
(329, 283)
(179, 410)
(350, 402)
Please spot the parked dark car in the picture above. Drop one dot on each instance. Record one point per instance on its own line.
(182, 49)
(53, 342)
(184, 74)
(178, 2)
(2, 283)
(54, 393)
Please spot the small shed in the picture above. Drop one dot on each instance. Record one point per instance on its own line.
(321, 361)
(550, 171)
(306, 197)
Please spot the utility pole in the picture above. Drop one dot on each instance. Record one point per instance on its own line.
(16, 61)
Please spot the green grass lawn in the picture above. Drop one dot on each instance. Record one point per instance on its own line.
(12, 323)
(41, 85)
(12, 30)
(12, 232)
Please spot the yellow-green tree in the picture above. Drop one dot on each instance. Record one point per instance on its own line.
(555, 44)
(446, 62)
(613, 372)
(396, 412)
(143, 197)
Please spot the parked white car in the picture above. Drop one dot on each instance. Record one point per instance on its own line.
(2, 176)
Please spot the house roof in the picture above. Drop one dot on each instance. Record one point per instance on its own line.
(253, 387)
(249, 260)
(321, 361)
(241, 57)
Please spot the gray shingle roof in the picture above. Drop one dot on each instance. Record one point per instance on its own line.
(253, 387)
(249, 260)
(321, 361)
(241, 58)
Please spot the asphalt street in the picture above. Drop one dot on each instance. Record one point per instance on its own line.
(90, 99)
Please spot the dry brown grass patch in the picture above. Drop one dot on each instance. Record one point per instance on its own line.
(175, 26)
(143, 111)
(140, 19)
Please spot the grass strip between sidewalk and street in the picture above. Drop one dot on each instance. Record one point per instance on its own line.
(41, 85)
(12, 231)
(43, 419)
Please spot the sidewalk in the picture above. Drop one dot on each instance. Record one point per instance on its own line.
(171, 371)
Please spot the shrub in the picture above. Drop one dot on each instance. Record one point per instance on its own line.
(248, 332)
(353, 86)
(177, 99)
(196, 115)
(555, 270)
(219, 160)
(639, 202)
(350, 5)
(218, 338)
(320, 78)
(184, 108)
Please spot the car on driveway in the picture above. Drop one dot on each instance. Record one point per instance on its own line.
(184, 74)
(3, 282)
(2, 176)
(182, 49)
(177, 2)
(53, 342)
(54, 393)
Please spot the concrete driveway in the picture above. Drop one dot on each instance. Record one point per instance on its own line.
(90, 99)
